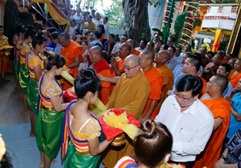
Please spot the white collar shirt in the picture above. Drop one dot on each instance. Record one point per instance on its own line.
(191, 129)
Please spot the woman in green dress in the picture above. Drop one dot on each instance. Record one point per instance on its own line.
(35, 67)
(51, 109)
(25, 48)
(81, 126)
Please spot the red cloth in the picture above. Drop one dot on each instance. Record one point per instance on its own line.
(69, 95)
(101, 65)
(110, 132)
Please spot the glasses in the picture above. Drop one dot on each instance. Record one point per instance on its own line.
(182, 97)
(130, 68)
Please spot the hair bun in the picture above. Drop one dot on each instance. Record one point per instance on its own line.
(87, 73)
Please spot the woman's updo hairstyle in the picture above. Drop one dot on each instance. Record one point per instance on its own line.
(153, 143)
(87, 81)
(53, 59)
(38, 39)
(30, 32)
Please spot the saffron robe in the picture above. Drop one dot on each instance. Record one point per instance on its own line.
(129, 94)
(70, 53)
(234, 79)
(103, 68)
(220, 108)
(168, 77)
(155, 81)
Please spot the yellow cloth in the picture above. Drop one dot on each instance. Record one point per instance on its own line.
(121, 122)
(55, 13)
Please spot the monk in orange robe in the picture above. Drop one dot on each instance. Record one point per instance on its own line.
(134, 51)
(101, 67)
(234, 79)
(117, 63)
(221, 112)
(72, 52)
(160, 59)
(155, 81)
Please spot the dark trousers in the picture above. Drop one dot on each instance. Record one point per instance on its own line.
(186, 164)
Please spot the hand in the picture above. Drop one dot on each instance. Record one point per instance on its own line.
(229, 100)
(219, 164)
(101, 77)
(113, 63)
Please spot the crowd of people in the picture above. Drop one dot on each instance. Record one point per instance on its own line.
(187, 102)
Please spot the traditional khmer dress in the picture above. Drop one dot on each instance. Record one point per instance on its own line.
(77, 148)
(49, 122)
(32, 90)
(23, 70)
(17, 59)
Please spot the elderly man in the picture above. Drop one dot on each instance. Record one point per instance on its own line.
(155, 81)
(188, 119)
(220, 108)
(101, 67)
(72, 52)
(130, 94)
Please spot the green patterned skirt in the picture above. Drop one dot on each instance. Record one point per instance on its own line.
(75, 160)
(16, 68)
(48, 131)
(32, 95)
(23, 78)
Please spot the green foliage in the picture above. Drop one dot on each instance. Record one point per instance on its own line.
(115, 14)
(178, 25)
(159, 32)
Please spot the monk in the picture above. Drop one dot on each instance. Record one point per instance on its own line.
(134, 51)
(117, 62)
(130, 94)
(101, 67)
(191, 66)
(237, 73)
(220, 108)
(155, 81)
(72, 52)
(161, 58)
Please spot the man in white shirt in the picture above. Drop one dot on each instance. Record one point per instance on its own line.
(188, 119)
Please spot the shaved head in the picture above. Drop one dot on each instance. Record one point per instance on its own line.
(148, 54)
(133, 59)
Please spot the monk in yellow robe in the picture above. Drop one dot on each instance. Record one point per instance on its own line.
(155, 81)
(221, 112)
(101, 67)
(234, 79)
(160, 59)
(130, 94)
(72, 52)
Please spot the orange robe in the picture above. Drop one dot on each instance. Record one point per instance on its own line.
(135, 52)
(120, 64)
(168, 77)
(235, 79)
(204, 89)
(155, 81)
(103, 68)
(220, 108)
(5, 65)
(70, 53)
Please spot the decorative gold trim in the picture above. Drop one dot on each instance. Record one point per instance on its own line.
(235, 32)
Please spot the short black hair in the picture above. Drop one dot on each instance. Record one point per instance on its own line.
(189, 82)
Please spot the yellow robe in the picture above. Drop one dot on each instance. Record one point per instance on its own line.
(131, 95)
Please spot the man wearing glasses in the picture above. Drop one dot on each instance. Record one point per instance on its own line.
(189, 120)
(130, 94)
